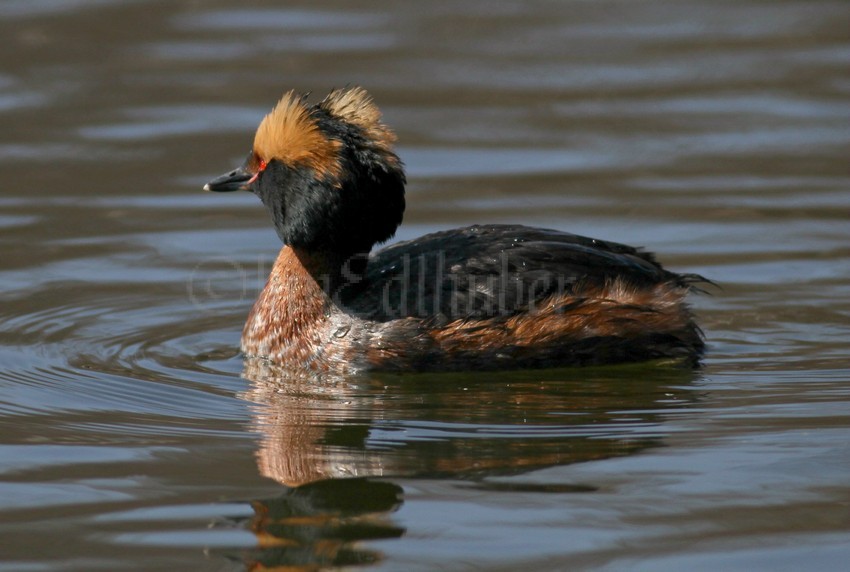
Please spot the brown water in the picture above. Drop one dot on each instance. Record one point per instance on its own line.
(132, 438)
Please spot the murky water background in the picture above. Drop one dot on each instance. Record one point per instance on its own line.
(131, 438)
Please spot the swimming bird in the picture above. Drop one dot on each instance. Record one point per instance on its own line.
(488, 296)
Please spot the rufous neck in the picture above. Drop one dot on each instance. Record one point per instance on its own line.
(330, 271)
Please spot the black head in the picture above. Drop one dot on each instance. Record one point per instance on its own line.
(327, 173)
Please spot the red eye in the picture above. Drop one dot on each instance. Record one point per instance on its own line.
(260, 168)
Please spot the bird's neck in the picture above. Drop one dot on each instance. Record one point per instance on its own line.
(330, 271)
(302, 289)
(291, 307)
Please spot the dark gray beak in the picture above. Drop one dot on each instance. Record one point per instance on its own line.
(236, 180)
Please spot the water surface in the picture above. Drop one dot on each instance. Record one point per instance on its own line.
(133, 436)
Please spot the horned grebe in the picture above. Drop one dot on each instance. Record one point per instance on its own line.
(480, 297)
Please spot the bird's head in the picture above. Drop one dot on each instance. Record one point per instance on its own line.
(327, 172)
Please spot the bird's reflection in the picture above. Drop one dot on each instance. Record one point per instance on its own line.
(319, 525)
(451, 425)
(335, 443)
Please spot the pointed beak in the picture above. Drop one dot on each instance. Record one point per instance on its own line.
(236, 180)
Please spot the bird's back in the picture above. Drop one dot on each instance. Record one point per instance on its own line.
(511, 296)
(495, 270)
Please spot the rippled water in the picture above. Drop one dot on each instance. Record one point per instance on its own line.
(133, 437)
